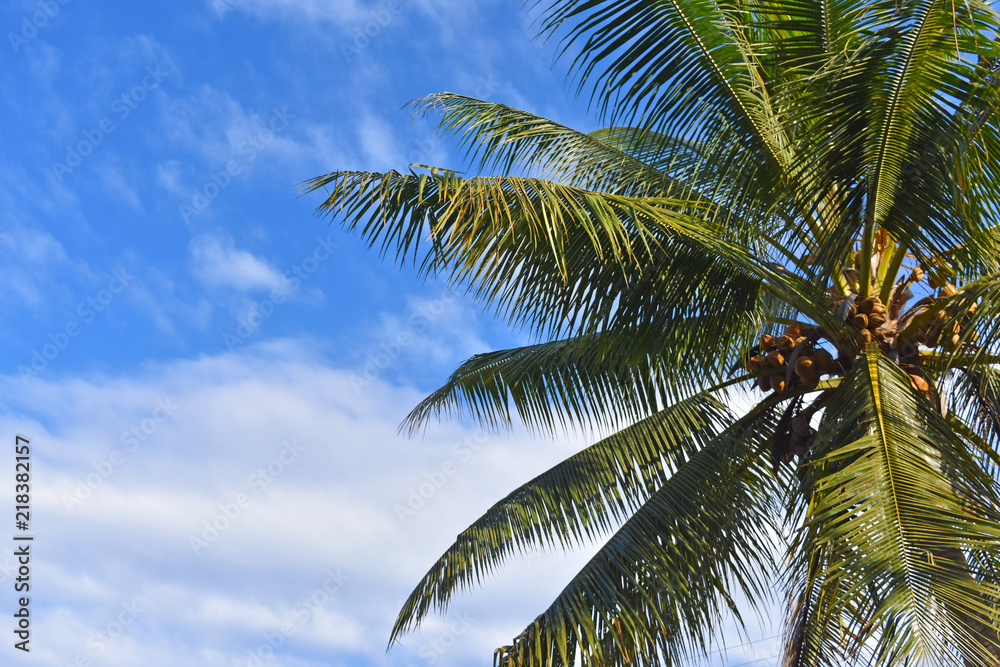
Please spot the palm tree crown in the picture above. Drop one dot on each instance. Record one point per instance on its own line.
(794, 199)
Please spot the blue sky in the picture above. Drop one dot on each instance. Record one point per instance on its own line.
(185, 343)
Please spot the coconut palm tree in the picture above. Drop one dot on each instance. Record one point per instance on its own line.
(794, 201)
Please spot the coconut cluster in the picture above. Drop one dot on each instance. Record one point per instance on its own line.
(905, 329)
(792, 358)
(868, 316)
(795, 358)
(946, 330)
(801, 437)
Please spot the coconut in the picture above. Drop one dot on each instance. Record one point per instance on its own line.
(778, 383)
(767, 343)
(775, 358)
(805, 368)
(785, 343)
(860, 321)
(866, 306)
(823, 362)
(793, 330)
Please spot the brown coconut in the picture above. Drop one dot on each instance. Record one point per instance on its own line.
(824, 363)
(805, 368)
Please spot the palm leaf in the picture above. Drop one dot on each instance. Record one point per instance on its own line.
(501, 138)
(885, 492)
(604, 380)
(656, 592)
(577, 500)
(668, 66)
(556, 258)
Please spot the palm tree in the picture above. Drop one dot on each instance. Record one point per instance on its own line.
(792, 200)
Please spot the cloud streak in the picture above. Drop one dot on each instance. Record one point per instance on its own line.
(330, 508)
(218, 264)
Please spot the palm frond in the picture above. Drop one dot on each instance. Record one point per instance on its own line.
(795, 38)
(889, 490)
(501, 138)
(672, 67)
(577, 500)
(555, 258)
(657, 591)
(602, 380)
(975, 399)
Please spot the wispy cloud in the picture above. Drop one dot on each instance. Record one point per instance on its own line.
(343, 12)
(329, 510)
(217, 263)
(32, 262)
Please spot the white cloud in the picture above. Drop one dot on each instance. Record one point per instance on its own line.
(35, 247)
(217, 263)
(115, 179)
(380, 150)
(351, 14)
(230, 143)
(211, 123)
(449, 319)
(33, 266)
(327, 505)
(343, 12)
(169, 175)
(331, 508)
